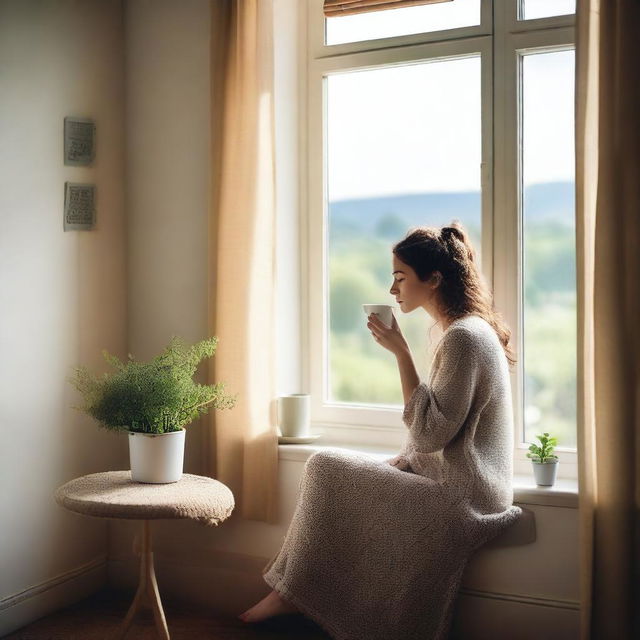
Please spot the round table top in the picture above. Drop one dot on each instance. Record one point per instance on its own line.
(112, 494)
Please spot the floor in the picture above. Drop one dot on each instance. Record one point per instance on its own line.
(99, 616)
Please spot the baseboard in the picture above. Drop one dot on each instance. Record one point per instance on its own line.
(481, 615)
(537, 601)
(37, 601)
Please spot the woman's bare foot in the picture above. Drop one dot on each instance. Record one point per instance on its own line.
(272, 605)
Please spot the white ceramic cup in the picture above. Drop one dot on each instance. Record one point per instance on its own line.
(294, 415)
(383, 311)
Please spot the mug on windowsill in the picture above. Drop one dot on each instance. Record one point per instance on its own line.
(294, 415)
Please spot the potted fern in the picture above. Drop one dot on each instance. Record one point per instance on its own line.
(545, 462)
(153, 401)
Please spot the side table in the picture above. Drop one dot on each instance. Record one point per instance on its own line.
(113, 494)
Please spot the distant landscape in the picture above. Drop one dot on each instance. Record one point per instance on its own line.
(361, 233)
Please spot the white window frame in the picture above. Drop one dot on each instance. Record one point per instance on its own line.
(501, 206)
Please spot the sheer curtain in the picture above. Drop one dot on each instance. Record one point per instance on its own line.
(608, 243)
(243, 442)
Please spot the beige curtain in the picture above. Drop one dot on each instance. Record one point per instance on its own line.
(335, 8)
(608, 253)
(243, 441)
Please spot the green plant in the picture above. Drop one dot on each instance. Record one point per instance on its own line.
(544, 452)
(158, 396)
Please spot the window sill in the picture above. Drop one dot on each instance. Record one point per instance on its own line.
(564, 493)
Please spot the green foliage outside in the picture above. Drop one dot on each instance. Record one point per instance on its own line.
(550, 331)
(158, 396)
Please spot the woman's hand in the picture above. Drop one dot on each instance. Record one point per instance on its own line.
(390, 338)
(399, 462)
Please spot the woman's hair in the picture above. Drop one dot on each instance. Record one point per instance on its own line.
(463, 289)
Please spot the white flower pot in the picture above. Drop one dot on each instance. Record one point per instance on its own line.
(156, 458)
(545, 472)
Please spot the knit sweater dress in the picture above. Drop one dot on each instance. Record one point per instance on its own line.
(376, 551)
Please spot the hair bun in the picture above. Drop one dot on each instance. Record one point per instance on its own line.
(456, 232)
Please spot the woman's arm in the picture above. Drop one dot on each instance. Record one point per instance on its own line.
(408, 374)
(436, 412)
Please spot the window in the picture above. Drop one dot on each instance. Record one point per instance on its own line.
(549, 271)
(412, 125)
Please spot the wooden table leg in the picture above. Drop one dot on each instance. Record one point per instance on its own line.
(147, 593)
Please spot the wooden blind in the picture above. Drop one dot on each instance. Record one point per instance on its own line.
(334, 8)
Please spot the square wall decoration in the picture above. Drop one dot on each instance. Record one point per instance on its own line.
(79, 206)
(79, 141)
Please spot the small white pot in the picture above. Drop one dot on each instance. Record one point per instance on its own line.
(156, 458)
(545, 472)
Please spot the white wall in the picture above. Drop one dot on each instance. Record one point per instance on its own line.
(62, 294)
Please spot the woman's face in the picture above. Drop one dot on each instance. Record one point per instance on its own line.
(411, 292)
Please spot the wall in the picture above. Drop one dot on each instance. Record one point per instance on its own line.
(62, 294)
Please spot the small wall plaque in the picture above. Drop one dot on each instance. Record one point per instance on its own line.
(79, 206)
(79, 141)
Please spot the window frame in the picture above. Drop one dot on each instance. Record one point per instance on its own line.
(498, 38)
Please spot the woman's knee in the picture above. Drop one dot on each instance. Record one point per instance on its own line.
(325, 462)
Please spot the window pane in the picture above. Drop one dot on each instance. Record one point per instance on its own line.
(402, 22)
(546, 8)
(404, 150)
(549, 246)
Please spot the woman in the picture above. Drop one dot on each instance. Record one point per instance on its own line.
(378, 550)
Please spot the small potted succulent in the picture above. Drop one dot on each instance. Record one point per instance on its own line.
(153, 402)
(545, 462)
